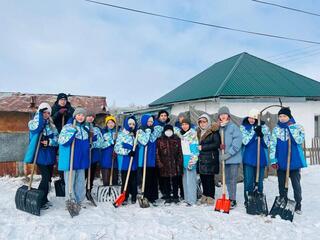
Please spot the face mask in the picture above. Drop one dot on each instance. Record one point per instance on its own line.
(168, 133)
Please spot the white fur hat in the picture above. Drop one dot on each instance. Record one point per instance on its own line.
(254, 113)
(43, 106)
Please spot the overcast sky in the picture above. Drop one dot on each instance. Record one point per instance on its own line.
(73, 46)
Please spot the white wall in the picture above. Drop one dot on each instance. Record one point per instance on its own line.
(303, 111)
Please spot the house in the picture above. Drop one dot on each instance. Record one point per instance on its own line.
(16, 109)
(243, 82)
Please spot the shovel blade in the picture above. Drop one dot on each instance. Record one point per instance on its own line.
(90, 198)
(108, 193)
(73, 207)
(29, 201)
(119, 200)
(284, 208)
(223, 205)
(143, 202)
(257, 204)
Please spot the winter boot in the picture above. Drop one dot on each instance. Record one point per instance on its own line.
(203, 199)
(233, 204)
(210, 201)
(298, 209)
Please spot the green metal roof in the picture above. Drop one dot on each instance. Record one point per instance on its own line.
(243, 75)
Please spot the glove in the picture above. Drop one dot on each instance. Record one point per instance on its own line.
(132, 153)
(258, 131)
(62, 111)
(127, 146)
(275, 166)
(43, 109)
(222, 146)
(225, 157)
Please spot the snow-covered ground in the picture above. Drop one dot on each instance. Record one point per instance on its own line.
(162, 222)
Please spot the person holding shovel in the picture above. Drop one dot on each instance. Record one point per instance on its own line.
(232, 152)
(250, 132)
(78, 132)
(108, 158)
(190, 151)
(151, 184)
(95, 146)
(125, 149)
(285, 129)
(61, 111)
(41, 123)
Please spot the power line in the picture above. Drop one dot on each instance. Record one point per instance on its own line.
(286, 7)
(290, 51)
(293, 54)
(204, 24)
(299, 57)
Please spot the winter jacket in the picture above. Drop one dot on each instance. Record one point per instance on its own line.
(169, 156)
(79, 134)
(124, 145)
(57, 117)
(151, 145)
(279, 145)
(250, 142)
(107, 149)
(232, 142)
(97, 141)
(46, 155)
(190, 151)
(208, 163)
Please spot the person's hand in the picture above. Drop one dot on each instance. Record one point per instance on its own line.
(258, 131)
(275, 166)
(62, 111)
(199, 147)
(225, 157)
(44, 143)
(222, 147)
(132, 153)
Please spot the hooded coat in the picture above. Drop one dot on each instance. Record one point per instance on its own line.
(208, 163)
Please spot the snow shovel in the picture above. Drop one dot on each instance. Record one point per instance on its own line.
(30, 199)
(223, 204)
(108, 193)
(257, 202)
(88, 192)
(122, 196)
(143, 202)
(71, 203)
(283, 206)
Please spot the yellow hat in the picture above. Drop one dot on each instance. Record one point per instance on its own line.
(112, 118)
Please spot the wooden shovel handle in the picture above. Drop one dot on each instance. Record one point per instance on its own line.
(144, 168)
(223, 164)
(288, 162)
(258, 152)
(71, 161)
(130, 164)
(35, 160)
(90, 156)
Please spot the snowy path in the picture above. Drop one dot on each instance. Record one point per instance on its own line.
(173, 222)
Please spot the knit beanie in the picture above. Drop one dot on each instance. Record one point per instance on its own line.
(223, 110)
(79, 110)
(62, 95)
(286, 111)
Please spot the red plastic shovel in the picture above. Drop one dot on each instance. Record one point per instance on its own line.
(223, 204)
(118, 202)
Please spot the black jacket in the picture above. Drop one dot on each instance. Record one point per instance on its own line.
(208, 163)
(57, 117)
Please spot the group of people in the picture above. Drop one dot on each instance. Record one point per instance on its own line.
(174, 155)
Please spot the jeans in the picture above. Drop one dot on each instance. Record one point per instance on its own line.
(231, 180)
(78, 187)
(249, 173)
(190, 186)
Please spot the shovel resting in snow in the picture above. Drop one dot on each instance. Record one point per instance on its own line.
(283, 206)
(143, 201)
